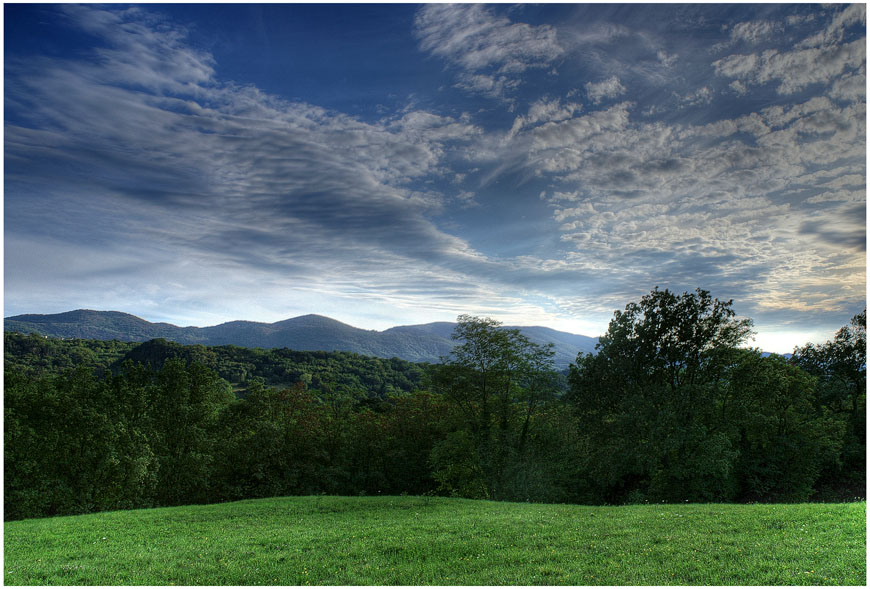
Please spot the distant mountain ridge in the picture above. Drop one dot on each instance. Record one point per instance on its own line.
(416, 343)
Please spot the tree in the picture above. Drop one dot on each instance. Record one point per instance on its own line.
(647, 400)
(496, 379)
(840, 367)
(272, 444)
(784, 442)
(71, 446)
(186, 403)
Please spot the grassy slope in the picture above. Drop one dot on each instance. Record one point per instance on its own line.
(422, 541)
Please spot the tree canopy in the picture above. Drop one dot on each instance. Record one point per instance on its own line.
(674, 409)
(840, 367)
(497, 379)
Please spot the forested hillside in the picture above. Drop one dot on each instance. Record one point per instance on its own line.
(38, 356)
(414, 343)
(329, 372)
(671, 408)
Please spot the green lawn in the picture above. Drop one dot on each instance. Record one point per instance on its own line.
(437, 541)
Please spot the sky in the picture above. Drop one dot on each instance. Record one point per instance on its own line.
(397, 164)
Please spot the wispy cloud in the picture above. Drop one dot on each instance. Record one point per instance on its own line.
(729, 200)
(794, 70)
(545, 110)
(222, 173)
(821, 58)
(598, 91)
(498, 86)
(488, 49)
(834, 32)
(206, 182)
(753, 31)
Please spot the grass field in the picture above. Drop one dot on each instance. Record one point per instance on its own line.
(437, 541)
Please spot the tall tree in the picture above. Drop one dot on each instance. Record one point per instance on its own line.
(784, 441)
(496, 379)
(840, 367)
(647, 399)
(186, 403)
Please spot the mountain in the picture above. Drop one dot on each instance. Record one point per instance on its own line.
(416, 343)
(102, 325)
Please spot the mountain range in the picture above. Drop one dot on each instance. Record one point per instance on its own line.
(417, 343)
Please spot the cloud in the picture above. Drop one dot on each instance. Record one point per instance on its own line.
(834, 235)
(490, 86)
(729, 201)
(851, 88)
(223, 173)
(208, 182)
(795, 70)
(822, 58)
(738, 87)
(488, 49)
(753, 31)
(703, 95)
(665, 58)
(144, 49)
(598, 91)
(545, 110)
(852, 14)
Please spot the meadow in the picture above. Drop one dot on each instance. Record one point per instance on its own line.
(411, 540)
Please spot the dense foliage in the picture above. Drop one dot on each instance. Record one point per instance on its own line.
(498, 381)
(673, 410)
(670, 408)
(36, 356)
(322, 372)
(840, 367)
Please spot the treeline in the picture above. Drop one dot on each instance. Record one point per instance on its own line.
(77, 443)
(36, 355)
(670, 408)
(326, 373)
(674, 410)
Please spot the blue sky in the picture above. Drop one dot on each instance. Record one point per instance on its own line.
(397, 164)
